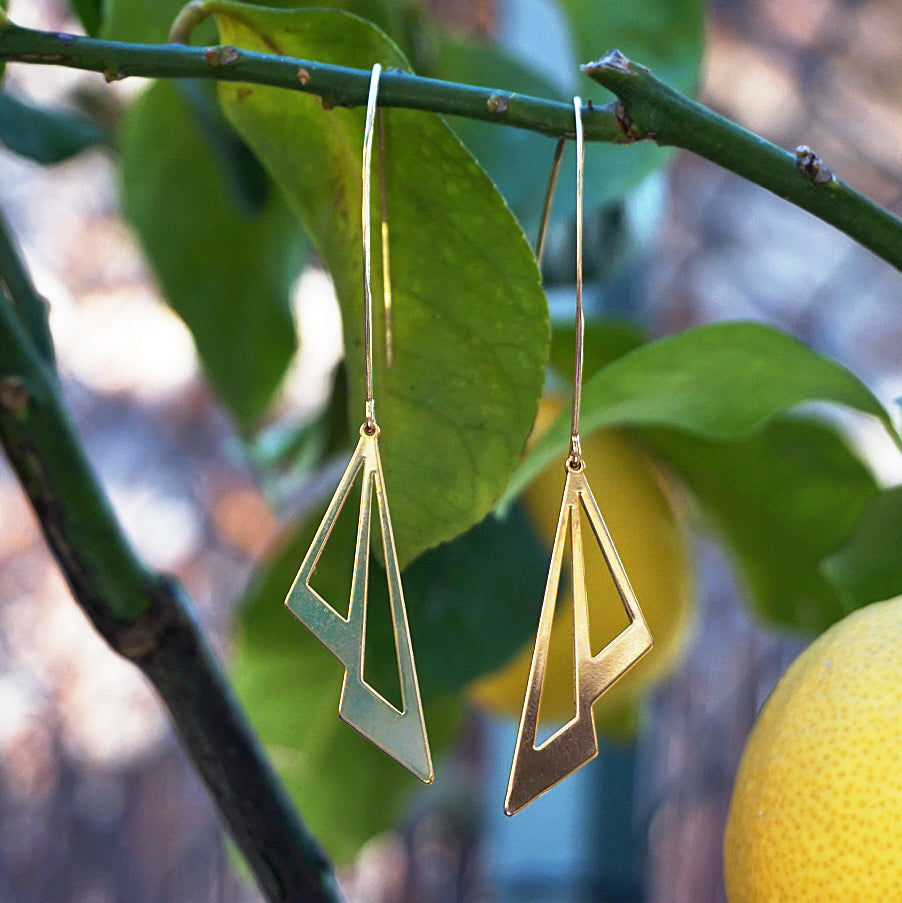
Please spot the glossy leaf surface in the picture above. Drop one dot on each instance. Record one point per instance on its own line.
(780, 501)
(470, 325)
(719, 382)
(868, 566)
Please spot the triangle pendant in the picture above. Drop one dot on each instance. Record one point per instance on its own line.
(536, 769)
(401, 733)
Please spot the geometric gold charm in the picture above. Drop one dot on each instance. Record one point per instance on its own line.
(399, 733)
(536, 769)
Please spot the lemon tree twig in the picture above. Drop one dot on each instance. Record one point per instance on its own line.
(646, 109)
(145, 617)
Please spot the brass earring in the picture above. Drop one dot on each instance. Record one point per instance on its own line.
(537, 768)
(401, 733)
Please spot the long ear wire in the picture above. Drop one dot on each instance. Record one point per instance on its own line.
(537, 768)
(370, 407)
(401, 733)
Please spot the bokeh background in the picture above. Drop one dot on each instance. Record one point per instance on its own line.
(97, 802)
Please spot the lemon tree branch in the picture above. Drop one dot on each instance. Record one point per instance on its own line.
(144, 616)
(647, 109)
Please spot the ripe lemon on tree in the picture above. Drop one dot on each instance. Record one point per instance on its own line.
(816, 813)
(639, 509)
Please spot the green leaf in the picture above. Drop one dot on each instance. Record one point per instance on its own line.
(139, 21)
(225, 268)
(90, 14)
(474, 601)
(781, 500)
(46, 136)
(149, 21)
(721, 382)
(868, 566)
(470, 323)
(604, 341)
(518, 161)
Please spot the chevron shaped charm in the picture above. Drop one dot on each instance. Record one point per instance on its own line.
(399, 733)
(536, 769)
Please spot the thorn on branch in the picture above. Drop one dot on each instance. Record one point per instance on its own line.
(811, 165)
(612, 61)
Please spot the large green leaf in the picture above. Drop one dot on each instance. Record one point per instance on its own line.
(721, 382)
(781, 500)
(470, 324)
(44, 135)
(225, 267)
(868, 566)
(470, 602)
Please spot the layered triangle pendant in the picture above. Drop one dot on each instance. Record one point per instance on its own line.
(401, 733)
(537, 768)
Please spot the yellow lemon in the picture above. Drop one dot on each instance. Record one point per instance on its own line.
(639, 510)
(816, 813)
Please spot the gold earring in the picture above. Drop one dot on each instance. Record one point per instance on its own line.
(536, 769)
(401, 733)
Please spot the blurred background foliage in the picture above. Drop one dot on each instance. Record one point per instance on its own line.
(736, 431)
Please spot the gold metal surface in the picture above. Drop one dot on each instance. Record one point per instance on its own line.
(579, 325)
(536, 769)
(387, 303)
(369, 403)
(400, 733)
(542, 234)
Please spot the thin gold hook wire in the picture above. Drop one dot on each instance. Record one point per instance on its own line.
(386, 253)
(549, 197)
(370, 408)
(575, 461)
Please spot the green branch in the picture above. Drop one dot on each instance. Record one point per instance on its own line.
(337, 85)
(148, 620)
(647, 109)
(31, 308)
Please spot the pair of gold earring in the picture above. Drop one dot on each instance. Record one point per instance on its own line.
(401, 733)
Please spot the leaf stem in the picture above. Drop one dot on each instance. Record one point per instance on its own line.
(148, 620)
